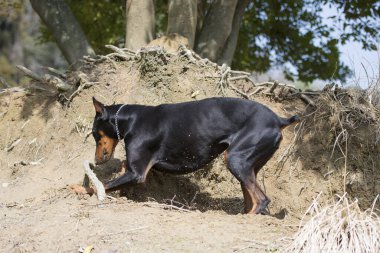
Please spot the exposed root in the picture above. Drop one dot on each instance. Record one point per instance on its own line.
(4, 83)
(56, 72)
(223, 82)
(150, 57)
(58, 83)
(83, 84)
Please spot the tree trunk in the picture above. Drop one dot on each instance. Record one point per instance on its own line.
(230, 46)
(216, 29)
(183, 19)
(201, 13)
(11, 48)
(66, 30)
(140, 20)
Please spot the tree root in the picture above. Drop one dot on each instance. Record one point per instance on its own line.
(268, 89)
(83, 83)
(55, 81)
(4, 83)
(276, 90)
(223, 82)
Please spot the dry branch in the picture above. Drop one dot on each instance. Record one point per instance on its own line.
(184, 51)
(119, 53)
(223, 82)
(237, 78)
(237, 72)
(56, 72)
(30, 73)
(307, 99)
(116, 49)
(57, 82)
(48, 79)
(4, 83)
(226, 74)
(100, 191)
(257, 90)
(83, 83)
(129, 51)
(245, 95)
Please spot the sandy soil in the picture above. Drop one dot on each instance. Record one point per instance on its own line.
(43, 145)
(64, 223)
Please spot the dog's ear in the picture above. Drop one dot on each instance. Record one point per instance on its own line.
(99, 108)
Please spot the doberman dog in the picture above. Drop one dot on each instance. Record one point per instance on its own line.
(182, 138)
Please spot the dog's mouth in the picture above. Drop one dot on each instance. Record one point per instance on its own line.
(105, 157)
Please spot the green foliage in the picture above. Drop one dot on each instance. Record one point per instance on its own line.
(161, 16)
(102, 21)
(292, 33)
(288, 33)
(358, 20)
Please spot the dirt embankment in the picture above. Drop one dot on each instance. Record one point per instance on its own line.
(44, 143)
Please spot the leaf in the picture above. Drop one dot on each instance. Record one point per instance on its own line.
(88, 249)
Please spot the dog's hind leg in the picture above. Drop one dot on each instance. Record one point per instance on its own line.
(245, 157)
(261, 158)
(241, 169)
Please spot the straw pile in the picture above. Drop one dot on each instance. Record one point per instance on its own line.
(339, 227)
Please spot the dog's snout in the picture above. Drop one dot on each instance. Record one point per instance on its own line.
(105, 155)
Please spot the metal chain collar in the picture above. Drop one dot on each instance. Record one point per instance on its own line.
(116, 122)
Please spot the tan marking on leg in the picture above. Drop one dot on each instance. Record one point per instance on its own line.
(260, 196)
(247, 201)
(254, 200)
(250, 202)
(123, 168)
(147, 169)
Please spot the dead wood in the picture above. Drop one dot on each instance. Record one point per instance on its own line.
(58, 83)
(100, 191)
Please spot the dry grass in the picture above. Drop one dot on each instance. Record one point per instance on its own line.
(339, 227)
(374, 93)
(344, 120)
(342, 116)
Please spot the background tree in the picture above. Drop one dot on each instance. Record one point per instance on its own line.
(64, 27)
(140, 23)
(182, 19)
(286, 33)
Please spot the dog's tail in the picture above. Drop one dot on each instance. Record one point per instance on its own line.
(284, 122)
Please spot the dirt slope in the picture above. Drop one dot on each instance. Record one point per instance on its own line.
(43, 145)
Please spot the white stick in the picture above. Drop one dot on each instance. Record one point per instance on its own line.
(100, 191)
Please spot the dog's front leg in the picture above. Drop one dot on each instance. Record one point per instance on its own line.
(122, 168)
(129, 177)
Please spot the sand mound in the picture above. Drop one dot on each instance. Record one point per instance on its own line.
(44, 139)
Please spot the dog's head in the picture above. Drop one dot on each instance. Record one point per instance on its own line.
(104, 133)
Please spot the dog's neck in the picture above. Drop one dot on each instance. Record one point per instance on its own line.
(121, 121)
(118, 121)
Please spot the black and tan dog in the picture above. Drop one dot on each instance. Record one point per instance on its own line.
(182, 138)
